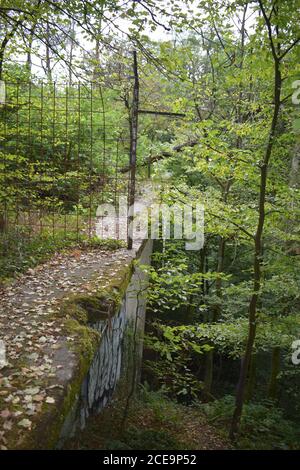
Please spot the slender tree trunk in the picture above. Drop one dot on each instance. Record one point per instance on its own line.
(209, 356)
(71, 53)
(251, 379)
(202, 269)
(258, 244)
(8, 36)
(2, 52)
(48, 57)
(133, 149)
(29, 51)
(96, 67)
(97, 61)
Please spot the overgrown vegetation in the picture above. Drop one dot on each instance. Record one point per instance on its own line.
(195, 360)
(20, 250)
(263, 425)
(154, 422)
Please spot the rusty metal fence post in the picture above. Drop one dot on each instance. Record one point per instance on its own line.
(133, 150)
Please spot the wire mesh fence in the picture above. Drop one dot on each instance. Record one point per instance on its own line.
(62, 148)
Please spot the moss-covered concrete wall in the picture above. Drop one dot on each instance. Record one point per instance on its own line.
(116, 316)
(65, 344)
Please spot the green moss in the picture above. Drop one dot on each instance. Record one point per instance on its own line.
(107, 244)
(75, 311)
(86, 338)
(90, 308)
(115, 280)
(84, 347)
(47, 430)
(75, 315)
(98, 307)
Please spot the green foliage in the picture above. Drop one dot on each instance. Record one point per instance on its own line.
(21, 250)
(176, 377)
(164, 409)
(263, 424)
(104, 244)
(221, 77)
(229, 338)
(172, 367)
(52, 155)
(289, 383)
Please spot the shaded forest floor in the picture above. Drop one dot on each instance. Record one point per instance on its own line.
(152, 422)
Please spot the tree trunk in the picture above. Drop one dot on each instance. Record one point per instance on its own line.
(208, 374)
(48, 58)
(8, 36)
(133, 149)
(251, 378)
(258, 244)
(202, 269)
(72, 45)
(29, 51)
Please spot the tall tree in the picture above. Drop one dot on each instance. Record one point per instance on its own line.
(277, 23)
